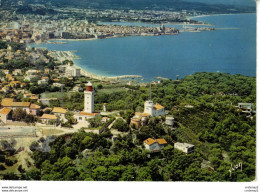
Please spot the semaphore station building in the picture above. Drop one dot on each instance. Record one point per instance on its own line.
(150, 110)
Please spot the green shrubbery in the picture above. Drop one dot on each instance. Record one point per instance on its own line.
(2, 168)
(9, 162)
(221, 134)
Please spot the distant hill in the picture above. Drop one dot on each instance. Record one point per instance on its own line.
(212, 6)
(227, 2)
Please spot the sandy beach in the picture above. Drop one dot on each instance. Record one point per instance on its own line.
(73, 39)
(103, 78)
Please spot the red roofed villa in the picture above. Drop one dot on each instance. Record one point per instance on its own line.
(154, 144)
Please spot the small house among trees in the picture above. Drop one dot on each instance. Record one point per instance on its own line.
(5, 114)
(48, 119)
(154, 144)
(246, 107)
(184, 147)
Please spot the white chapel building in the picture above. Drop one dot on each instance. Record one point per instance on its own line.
(153, 109)
(150, 110)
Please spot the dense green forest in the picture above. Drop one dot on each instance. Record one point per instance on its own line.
(198, 89)
(203, 105)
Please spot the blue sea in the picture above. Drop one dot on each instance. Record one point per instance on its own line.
(224, 50)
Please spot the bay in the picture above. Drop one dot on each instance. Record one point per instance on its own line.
(231, 50)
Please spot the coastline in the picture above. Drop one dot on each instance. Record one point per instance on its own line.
(198, 16)
(102, 77)
(84, 72)
(72, 39)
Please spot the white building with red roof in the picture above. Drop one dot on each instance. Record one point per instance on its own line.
(10, 103)
(48, 119)
(60, 112)
(153, 109)
(154, 144)
(5, 114)
(34, 108)
(30, 108)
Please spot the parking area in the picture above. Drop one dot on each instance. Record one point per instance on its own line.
(16, 131)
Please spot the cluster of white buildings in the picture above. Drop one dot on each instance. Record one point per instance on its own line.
(69, 71)
(155, 145)
(150, 110)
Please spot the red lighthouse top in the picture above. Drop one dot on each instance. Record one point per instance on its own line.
(89, 87)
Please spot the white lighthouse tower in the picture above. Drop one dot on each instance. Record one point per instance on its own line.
(148, 105)
(89, 98)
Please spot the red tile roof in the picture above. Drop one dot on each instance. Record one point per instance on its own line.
(7, 102)
(21, 104)
(161, 141)
(158, 107)
(34, 106)
(48, 116)
(5, 111)
(88, 114)
(59, 110)
(149, 141)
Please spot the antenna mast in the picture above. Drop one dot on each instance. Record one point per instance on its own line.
(62, 96)
(150, 91)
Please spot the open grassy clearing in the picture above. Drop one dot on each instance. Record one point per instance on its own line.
(49, 132)
(112, 90)
(57, 95)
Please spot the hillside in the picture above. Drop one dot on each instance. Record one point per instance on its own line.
(173, 5)
(225, 2)
(204, 108)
